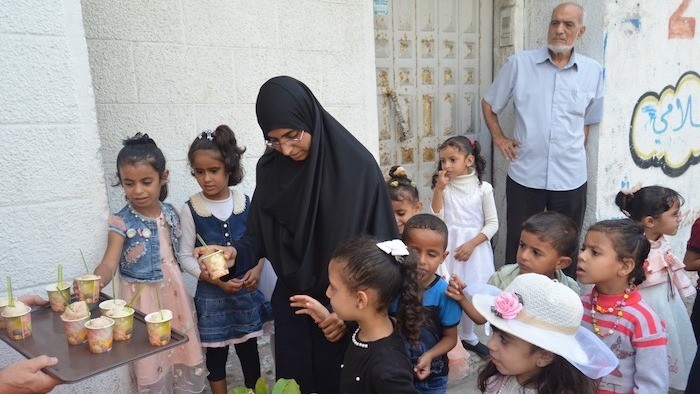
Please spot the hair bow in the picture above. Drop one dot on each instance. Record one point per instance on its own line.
(208, 133)
(395, 248)
(630, 191)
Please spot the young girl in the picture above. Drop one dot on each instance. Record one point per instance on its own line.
(230, 310)
(657, 208)
(142, 240)
(404, 196)
(365, 276)
(467, 206)
(612, 258)
(538, 345)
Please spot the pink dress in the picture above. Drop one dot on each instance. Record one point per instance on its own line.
(180, 369)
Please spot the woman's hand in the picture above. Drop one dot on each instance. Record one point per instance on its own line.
(230, 252)
(200, 252)
(309, 306)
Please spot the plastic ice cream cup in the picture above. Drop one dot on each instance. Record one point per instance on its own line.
(18, 321)
(58, 301)
(3, 303)
(99, 334)
(75, 329)
(123, 322)
(216, 264)
(105, 306)
(159, 327)
(89, 286)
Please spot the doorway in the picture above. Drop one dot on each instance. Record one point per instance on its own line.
(432, 58)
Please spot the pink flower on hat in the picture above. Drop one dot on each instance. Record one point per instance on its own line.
(507, 305)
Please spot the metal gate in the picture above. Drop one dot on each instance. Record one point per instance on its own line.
(427, 68)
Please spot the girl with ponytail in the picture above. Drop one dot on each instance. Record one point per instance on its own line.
(467, 206)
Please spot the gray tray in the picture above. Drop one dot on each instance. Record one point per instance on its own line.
(76, 363)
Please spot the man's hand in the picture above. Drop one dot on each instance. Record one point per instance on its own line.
(508, 147)
(27, 377)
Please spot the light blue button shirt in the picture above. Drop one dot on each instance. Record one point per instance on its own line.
(551, 107)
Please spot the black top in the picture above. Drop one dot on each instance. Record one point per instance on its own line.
(301, 211)
(382, 367)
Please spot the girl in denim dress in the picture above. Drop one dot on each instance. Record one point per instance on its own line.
(230, 310)
(142, 241)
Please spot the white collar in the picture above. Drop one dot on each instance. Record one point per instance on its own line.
(199, 203)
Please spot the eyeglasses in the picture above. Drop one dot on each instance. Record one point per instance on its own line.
(287, 141)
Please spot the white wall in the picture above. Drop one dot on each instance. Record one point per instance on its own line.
(77, 81)
(630, 40)
(639, 59)
(174, 68)
(52, 200)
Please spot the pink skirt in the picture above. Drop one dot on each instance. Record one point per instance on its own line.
(182, 368)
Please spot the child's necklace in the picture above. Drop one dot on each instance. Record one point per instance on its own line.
(356, 342)
(595, 308)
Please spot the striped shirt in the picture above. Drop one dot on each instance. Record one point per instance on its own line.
(638, 340)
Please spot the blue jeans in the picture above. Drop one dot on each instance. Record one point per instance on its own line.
(436, 385)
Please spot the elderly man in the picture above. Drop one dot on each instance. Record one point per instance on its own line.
(557, 94)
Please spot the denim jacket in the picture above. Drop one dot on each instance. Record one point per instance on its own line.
(221, 232)
(140, 259)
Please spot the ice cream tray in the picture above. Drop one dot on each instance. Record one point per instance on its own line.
(76, 363)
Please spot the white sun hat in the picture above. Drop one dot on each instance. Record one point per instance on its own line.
(548, 314)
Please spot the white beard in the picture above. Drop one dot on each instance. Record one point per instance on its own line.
(560, 49)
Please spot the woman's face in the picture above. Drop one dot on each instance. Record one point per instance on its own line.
(292, 143)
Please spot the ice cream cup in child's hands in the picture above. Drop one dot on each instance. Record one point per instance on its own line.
(216, 264)
(99, 333)
(18, 320)
(158, 326)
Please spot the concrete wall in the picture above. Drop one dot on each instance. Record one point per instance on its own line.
(631, 41)
(175, 68)
(79, 78)
(642, 63)
(52, 200)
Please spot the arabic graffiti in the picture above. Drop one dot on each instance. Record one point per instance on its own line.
(664, 129)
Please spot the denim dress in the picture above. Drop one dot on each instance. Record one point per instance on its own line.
(226, 318)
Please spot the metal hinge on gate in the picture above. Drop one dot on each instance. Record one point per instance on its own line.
(401, 112)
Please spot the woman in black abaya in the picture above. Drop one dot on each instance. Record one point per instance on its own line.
(316, 187)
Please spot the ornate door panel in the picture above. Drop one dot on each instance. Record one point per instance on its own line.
(427, 58)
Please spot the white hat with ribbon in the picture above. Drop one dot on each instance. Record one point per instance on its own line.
(548, 314)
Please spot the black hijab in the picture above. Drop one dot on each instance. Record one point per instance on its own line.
(301, 211)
